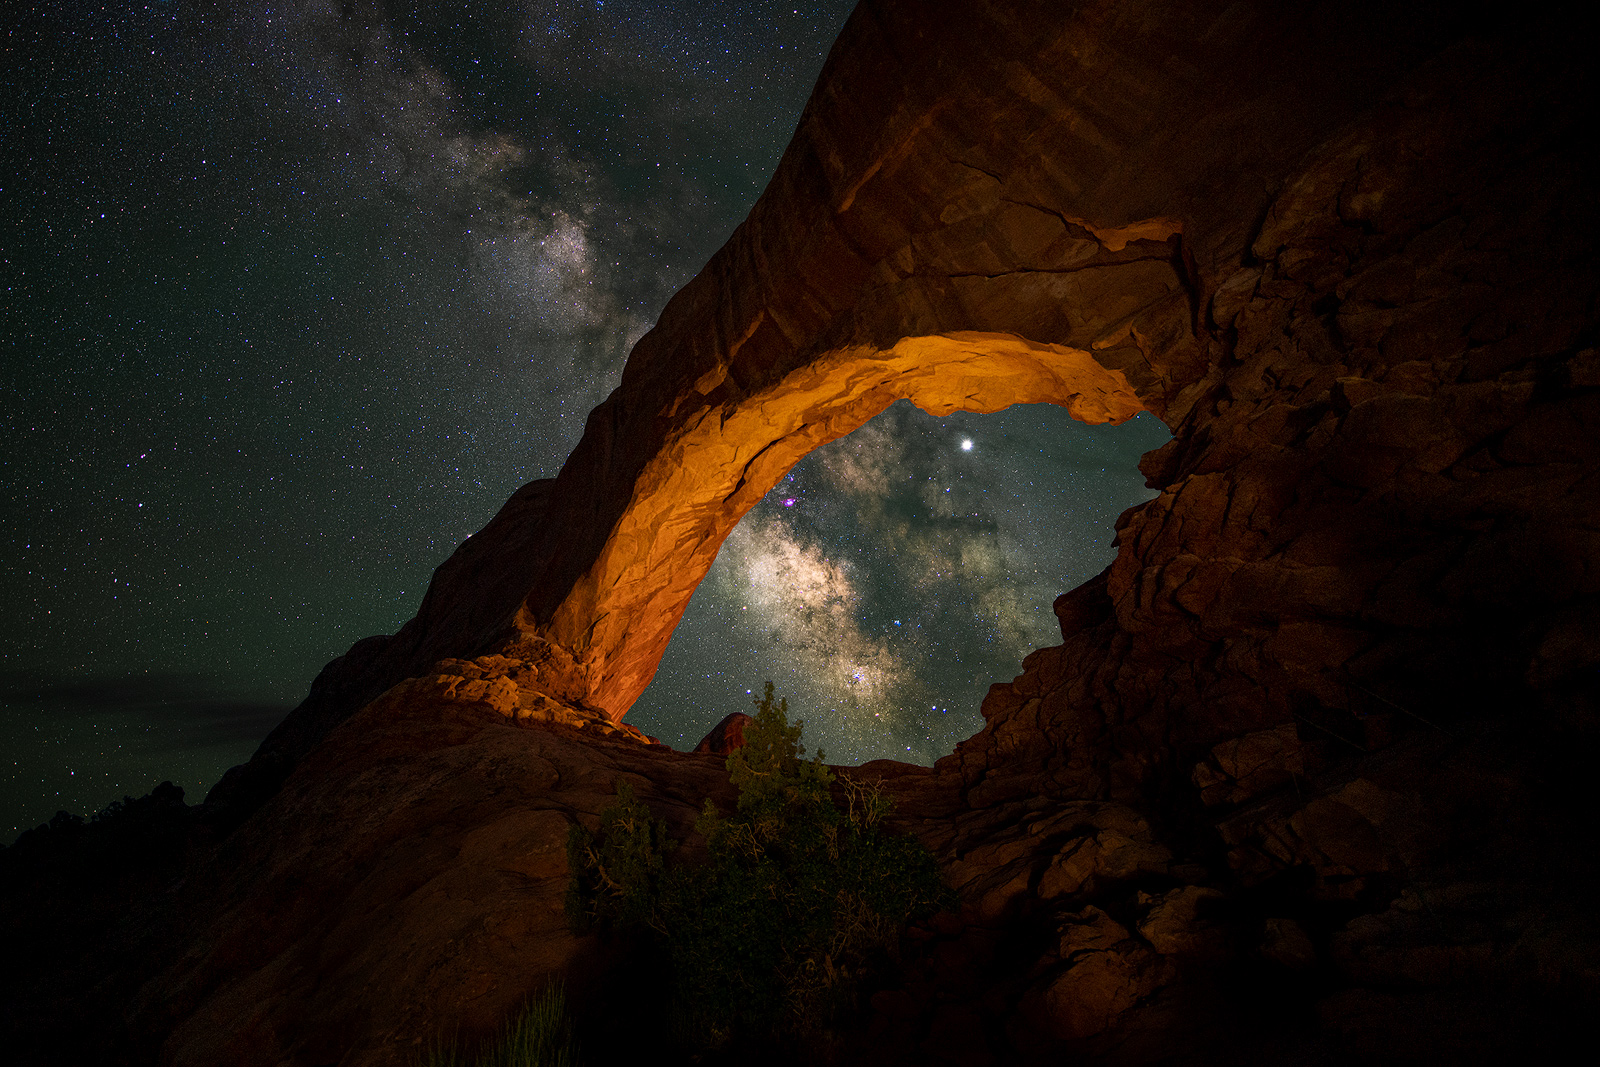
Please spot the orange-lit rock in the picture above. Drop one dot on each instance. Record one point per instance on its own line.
(1299, 270)
(1346, 655)
(726, 736)
(1176, 924)
(1350, 265)
(1241, 767)
(412, 869)
(1104, 972)
(492, 682)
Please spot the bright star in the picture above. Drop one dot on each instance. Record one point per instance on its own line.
(966, 444)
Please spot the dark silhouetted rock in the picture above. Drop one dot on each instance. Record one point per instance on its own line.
(726, 736)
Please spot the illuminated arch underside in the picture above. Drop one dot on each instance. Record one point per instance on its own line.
(620, 615)
(1038, 222)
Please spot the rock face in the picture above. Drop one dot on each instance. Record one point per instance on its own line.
(963, 234)
(726, 736)
(412, 870)
(1301, 779)
(1319, 273)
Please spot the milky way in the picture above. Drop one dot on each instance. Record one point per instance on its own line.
(898, 572)
(295, 295)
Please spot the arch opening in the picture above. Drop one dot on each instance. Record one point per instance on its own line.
(895, 573)
(726, 444)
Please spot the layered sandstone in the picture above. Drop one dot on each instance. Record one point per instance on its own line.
(1039, 219)
(1300, 779)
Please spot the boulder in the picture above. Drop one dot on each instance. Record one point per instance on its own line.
(726, 736)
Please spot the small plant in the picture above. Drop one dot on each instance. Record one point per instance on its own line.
(801, 901)
(616, 874)
(539, 1036)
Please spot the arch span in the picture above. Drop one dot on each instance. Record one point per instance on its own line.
(1368, 587)
(1079, 181)
(721, 460)
(581, 579)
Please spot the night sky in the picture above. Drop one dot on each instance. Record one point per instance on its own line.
(294, 295)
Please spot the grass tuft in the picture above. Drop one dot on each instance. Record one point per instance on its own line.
(540, 1036)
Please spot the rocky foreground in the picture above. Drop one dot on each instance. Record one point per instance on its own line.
(1307, 778)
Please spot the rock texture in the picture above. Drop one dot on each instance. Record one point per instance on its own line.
(412, 870)
(726, 736)
(1113, 210)
(1306, 778)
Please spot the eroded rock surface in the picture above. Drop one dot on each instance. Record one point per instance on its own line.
(1306, 777)
(413, 869)
(726, 736)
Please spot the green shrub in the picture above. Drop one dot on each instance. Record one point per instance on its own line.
(540, 1036)
(616, 874)
(801, 901)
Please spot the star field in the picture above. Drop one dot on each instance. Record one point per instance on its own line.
(293, 296)
(896, 573)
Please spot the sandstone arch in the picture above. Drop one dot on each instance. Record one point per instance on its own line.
(1347, 255)
(995, 301)
(620, 614)
(1215, 204)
